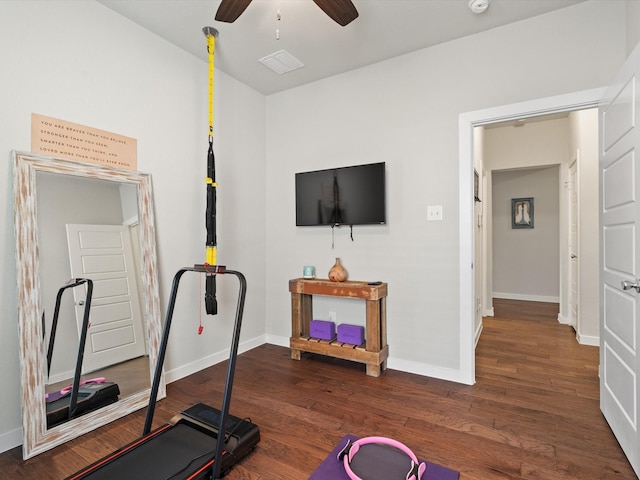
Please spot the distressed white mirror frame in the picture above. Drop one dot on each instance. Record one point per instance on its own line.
(36, 437)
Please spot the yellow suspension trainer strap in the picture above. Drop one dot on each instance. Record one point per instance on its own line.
(211, 304)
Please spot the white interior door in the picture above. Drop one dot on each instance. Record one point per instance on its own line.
(574, 276)
(104, 254)
(620, 258)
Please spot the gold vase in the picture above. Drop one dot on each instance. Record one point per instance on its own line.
(337, 272)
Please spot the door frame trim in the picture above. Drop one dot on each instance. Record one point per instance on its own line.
(575, 160)
(466, 123)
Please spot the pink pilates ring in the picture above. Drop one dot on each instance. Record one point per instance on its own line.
(347, 454)
(84, 382)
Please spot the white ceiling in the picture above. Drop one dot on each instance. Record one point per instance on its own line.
(384, 29)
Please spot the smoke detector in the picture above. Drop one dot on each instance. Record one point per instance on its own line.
(478, 6)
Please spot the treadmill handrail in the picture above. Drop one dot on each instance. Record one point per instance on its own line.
(74, 282)
(209, 270)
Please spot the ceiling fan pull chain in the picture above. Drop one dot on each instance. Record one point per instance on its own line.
(278, 17)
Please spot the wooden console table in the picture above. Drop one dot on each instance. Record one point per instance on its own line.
(375, 350)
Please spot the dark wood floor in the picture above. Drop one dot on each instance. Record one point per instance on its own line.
(131, 375)
(533, 413)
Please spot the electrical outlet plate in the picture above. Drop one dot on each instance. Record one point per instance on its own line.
(434, 212)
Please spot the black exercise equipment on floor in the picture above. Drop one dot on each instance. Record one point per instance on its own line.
(80, 397)
(189, 446)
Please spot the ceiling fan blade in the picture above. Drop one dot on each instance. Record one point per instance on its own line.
(342, 11)
(230, 10)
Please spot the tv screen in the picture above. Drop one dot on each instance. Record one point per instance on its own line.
(341, 196)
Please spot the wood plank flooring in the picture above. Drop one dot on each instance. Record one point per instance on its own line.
(532, 414)
(131, 375)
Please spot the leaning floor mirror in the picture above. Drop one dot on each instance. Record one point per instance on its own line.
(85, 253)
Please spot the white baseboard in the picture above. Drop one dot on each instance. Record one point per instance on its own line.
(478, 333)
(408, 366)
(277, 340)
(210, 360)
(426, 370)
(10, 440)
(61, 377)
(191, 368)
(564, 320)
(525, 297)
(588, 340)
(488, 312)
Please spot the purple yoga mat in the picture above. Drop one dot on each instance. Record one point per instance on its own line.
(333, 469)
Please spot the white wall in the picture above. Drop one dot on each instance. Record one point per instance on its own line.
(405, 111)
(480, 232)
(584, 139)
(81, 62)
(559, 140)
(526, 261)
(633, 24)
(536, 144)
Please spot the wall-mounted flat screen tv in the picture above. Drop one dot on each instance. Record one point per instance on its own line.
(341, 196)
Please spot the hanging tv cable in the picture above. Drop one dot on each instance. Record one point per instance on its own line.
(211, 303)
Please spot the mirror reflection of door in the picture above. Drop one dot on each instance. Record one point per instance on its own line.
(70, 200)
(104, 254)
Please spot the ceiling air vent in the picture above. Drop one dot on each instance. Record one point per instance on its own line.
(281, 62)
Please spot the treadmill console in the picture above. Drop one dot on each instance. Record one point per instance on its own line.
(240, 430)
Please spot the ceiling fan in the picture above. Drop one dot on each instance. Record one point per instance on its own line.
(341, 11)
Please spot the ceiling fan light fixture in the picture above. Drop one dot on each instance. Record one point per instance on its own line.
(281, 62)
(478, 6)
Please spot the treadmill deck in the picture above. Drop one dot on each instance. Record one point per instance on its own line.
(182, 449)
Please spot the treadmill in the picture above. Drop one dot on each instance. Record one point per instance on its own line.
(80, 397)
(200, 443)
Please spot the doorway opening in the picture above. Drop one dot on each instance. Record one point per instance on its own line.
(550, 162)
(469, 328)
